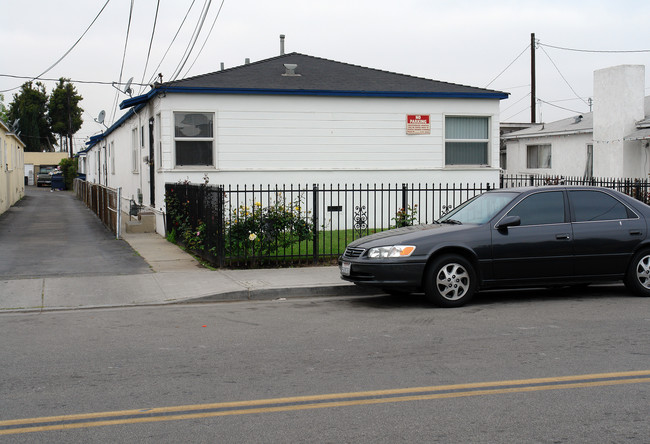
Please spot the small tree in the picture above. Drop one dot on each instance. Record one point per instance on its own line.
(4, 111)
(30, 106)
(64, 111)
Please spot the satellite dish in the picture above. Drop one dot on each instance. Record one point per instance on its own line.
(127, 88)
(100, 118)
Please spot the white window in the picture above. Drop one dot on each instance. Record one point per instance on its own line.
(159, 139)
(135, 151)
(111, 154)
(538, 156)
(193, 138)
(467, 140)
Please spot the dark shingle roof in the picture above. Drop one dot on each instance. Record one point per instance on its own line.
(320, 75)
(315, 77)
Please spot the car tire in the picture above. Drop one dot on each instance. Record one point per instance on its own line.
(637, 278)
(450, 281)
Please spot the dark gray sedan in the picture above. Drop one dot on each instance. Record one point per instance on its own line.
(512, 237)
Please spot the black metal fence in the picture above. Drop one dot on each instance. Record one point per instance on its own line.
(287, 226)
(637, 188)
(282, 226)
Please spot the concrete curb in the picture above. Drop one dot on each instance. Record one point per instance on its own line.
(267, 294)
(277, 293)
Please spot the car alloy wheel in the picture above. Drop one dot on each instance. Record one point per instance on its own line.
(451, 281)
(638, 274)
(643, 272)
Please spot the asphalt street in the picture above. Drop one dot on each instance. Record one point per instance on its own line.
(51, 234)
(526, 366)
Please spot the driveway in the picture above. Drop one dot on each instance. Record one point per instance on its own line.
(54, 234)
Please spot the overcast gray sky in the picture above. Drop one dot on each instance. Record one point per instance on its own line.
(468, 42)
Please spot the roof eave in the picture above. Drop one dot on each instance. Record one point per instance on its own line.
(312, 92)
(548, 134)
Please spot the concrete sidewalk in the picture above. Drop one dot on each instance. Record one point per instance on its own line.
(176, 278)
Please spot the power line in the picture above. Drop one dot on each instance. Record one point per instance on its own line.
(68, 51)
(193, 39)
(173, 40)
(506, 68)
(563, 78)
(524, 97)
(595, 50)
(560, 107)
(95, 82)
(126, 42)
(206, 38)
(153, 32)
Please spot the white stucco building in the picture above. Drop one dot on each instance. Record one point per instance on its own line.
(612, 141)
(298, 119)
(12, 175)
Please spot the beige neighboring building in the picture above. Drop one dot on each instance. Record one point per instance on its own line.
(35, 161)
(12, 173)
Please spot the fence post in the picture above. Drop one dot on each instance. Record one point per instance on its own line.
(221, 232)
(119, 213)
(405, 198)
(315, 223)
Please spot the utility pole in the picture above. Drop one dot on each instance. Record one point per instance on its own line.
(533, 97)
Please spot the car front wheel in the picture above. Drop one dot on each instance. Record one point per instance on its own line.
(450, 281)
(638, 275)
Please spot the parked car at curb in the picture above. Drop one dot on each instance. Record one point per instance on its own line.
(511, 237)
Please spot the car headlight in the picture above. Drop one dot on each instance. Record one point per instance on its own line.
(391, 251)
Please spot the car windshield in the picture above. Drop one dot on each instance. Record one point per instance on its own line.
(479, 209)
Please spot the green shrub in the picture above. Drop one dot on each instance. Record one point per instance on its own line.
(69, 170)
(258, 230)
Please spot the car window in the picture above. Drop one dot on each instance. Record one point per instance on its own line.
(540, 208)
(595, 205)
(480, 209)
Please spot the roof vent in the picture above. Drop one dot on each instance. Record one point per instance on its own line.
(290, 70)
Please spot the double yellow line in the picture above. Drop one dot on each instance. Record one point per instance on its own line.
(177, 413)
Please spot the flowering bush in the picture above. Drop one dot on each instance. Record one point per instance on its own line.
(259, 230)
(178, 215)
(405, 217)
(181, 227)
(195, 239)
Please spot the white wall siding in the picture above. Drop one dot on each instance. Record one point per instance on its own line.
(568, 155)
(286, 133)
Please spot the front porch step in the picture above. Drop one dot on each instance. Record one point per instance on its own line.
(145, 223)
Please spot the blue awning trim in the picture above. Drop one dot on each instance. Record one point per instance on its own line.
(302, 92)
(94, 140)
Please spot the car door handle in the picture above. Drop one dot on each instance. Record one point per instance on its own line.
(635, 232)
(562, 236)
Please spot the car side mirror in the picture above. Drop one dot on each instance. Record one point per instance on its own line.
(508, 221)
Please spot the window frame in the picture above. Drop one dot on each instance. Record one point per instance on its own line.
(538, 156)
(211, 139)
(631, 214)
(135, 151)
(567, 215)
(450, 141)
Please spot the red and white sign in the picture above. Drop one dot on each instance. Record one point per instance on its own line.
(418, 124)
